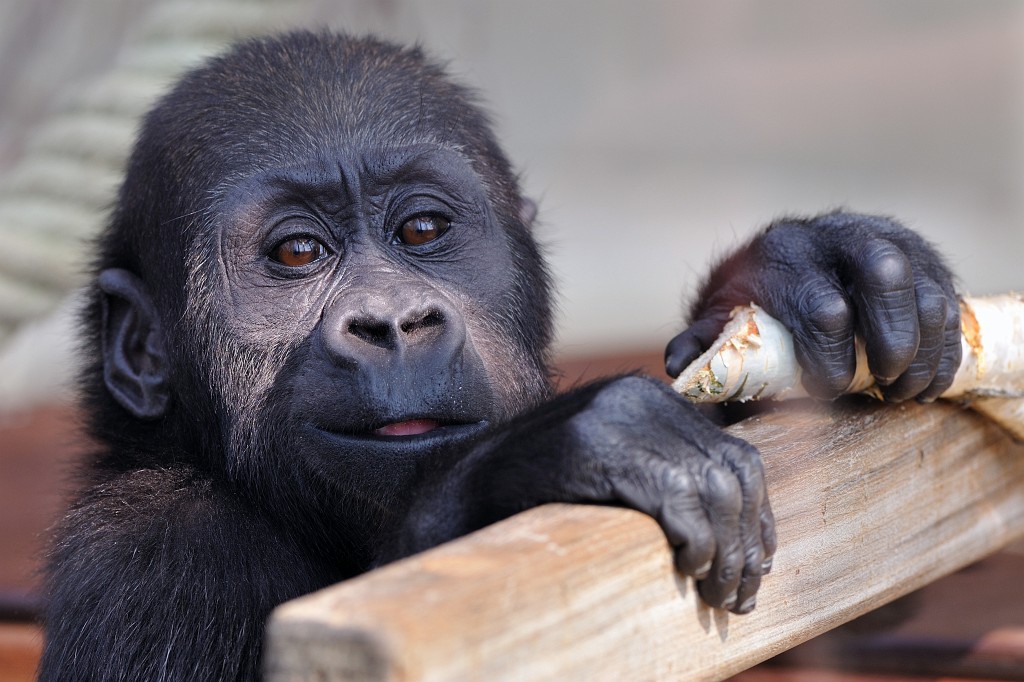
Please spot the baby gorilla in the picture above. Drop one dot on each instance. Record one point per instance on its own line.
(318, 340)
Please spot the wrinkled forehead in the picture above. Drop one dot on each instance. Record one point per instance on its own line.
(340, 174)
(322, 134)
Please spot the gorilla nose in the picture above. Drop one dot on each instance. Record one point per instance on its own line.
(390, 332)
(378, 328)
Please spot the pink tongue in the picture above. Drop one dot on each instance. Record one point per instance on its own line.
(413, 427)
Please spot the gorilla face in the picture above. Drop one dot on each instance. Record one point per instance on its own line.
(363, 282)
(362, 291)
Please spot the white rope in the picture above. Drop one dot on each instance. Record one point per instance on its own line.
(57, 196)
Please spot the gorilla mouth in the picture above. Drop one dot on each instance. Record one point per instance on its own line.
(409, 430)
(411, 427)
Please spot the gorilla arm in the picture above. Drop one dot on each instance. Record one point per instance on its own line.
(627, 441)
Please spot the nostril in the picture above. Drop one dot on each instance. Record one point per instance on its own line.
(371, 331)
(388, 331)
(432, 318)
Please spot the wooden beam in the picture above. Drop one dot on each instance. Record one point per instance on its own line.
(871, 501)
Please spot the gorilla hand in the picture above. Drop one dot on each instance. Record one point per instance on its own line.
(828, 279)
(628, 441)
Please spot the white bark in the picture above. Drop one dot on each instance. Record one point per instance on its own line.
(753, 358)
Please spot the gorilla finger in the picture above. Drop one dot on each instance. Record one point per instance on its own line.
(687, 346)
(882, 280)
(750, 581)
(931, 312)
(952, 351)
(722, 499)
(768, 538)
(747, 467)
(756, 559)
(823, 339)
(757, 522)
(695, 556)
(744, 461)
(673, 500)
(689, 530)
(720, 588)
(918, 377)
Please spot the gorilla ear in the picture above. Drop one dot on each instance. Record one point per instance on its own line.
(527, 211)
(135, 363)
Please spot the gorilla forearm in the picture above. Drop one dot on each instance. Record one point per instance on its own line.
(599, 444)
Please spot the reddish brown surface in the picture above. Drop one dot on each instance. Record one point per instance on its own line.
(20, 647)
(578, 369)
(36, 452)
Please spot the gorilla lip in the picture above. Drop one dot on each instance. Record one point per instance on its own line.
(426, 427)
(411, 427)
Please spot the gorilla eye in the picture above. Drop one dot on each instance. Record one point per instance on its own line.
(298, 251)
(422, 229)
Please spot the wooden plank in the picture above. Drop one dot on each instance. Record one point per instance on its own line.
(871, 501)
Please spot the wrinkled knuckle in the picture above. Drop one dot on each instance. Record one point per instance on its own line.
(953, 350)
(899, 345)
(728, 573)
(752, 478)
(679, 483)
(826, 311)
(885, 265)
(932, 306)
(629, 399)
(745, 462)
(741, 452)
(723, 489)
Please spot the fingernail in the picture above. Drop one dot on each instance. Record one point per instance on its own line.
(702, 571)
(729, 603)
(747, 606)
(766, 565)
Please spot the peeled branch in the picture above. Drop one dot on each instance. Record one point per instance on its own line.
(753, 359)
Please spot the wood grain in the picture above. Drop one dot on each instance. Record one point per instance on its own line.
(871, 501)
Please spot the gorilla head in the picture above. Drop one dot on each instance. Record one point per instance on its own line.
(318, 339)
(320, 269)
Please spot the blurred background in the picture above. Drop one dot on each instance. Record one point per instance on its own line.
(655, 134)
